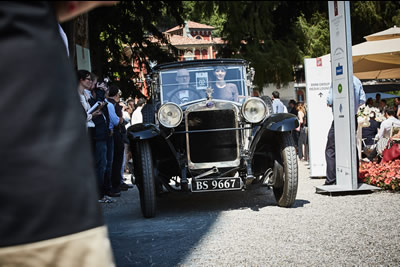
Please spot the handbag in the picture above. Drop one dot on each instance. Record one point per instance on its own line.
(391, 152)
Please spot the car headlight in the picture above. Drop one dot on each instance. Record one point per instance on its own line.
(170, 115)
(254, 110)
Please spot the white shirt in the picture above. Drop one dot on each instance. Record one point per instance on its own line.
(84, 101)
(127, 117)
(64, 37)
(386, 126)
(137, 116)
(278, 106)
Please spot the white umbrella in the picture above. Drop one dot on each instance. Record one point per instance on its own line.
(379, 56)
(390, 33)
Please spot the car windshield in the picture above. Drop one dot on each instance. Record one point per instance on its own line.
(189, 84)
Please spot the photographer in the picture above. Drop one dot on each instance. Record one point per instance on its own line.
(117, 183)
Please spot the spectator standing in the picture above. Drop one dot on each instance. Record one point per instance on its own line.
(137, 116)
(330, 154)
(382, 105)
(295, 134)
(85, 83)
(101, 134)
(397, 107)
(370, 102)
(303, 130)
(116, 178)
(277, 104)
(377, 100)
(127, 116)
(101, 89)
(128, 155)
(115, 120)
(54, 218)
(292, 107)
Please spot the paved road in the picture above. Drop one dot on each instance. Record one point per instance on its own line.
(248, 229)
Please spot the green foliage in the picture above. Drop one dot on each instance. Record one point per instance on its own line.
(206, 12)
(368, 17)
(274, 36)
(120, 34)
(313, 37)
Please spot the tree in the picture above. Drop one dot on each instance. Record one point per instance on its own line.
(119, 34)
(262, 32)
(274, 36)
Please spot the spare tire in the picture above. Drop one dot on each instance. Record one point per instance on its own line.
(148, 113)
(268, 102)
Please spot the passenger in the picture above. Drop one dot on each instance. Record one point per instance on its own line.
(223, 90)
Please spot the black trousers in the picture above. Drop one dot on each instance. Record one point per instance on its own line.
(116, 176)
(330, 157)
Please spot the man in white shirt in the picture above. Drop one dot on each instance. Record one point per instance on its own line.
(386, 125)
(137, 116)
(277, 104)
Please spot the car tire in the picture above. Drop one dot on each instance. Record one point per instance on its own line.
(146, 183)
(285, 194)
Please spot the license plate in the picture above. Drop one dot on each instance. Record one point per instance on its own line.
(220, 184)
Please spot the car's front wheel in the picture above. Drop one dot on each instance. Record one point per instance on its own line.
(145, 182)
(285, 189)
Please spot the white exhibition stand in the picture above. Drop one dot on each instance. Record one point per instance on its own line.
(343, 99)
(319, 115)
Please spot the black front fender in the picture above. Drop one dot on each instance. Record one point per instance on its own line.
(265, 146)
(142, 131)
(281, 122)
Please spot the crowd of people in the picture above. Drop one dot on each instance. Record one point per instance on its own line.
(108, 118)
(300, 134)
(376, 135)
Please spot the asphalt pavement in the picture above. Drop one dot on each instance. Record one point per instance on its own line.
(249, 229)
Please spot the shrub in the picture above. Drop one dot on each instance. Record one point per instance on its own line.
(384, 175)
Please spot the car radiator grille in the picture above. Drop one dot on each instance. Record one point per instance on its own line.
(212, 146)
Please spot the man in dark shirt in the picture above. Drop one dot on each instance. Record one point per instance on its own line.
(48, 195)
(292, 107)
(114, 95)
(370, 132)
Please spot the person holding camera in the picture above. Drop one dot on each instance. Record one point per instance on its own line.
(117, 181)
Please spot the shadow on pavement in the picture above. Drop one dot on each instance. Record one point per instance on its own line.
(181, 222)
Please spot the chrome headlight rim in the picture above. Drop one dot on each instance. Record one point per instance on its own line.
(170, 105)
(249, 101)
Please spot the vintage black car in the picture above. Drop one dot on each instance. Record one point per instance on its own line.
(202, 131)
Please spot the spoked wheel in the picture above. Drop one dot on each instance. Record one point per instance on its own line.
(145, 181)
(286, 179)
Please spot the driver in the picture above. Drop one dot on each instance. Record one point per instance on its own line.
(184, 92)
